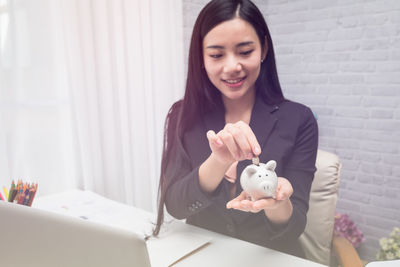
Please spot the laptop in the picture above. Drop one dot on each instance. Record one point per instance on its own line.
(39, 238)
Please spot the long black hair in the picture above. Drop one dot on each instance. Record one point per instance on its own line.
(201, 96)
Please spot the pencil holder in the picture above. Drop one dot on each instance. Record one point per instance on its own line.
(20, 193)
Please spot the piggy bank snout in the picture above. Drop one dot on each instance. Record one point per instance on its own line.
(267, 186)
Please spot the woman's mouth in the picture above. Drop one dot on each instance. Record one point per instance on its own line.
(234, 82)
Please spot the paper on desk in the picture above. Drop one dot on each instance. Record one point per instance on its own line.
(93, 207)
(175, 241)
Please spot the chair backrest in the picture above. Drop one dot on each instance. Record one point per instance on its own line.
(317, 237)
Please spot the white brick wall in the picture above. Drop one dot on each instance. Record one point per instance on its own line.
(342, 58)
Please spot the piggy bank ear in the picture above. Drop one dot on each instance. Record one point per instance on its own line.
(271, 165)
(250, 170)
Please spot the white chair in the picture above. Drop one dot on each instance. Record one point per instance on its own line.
(317, 240)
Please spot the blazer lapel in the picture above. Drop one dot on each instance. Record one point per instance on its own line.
(263, 120)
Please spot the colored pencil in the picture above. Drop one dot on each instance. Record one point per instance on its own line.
(5, 193)
(31, 191)
(21, 198)
(26, 200)
(17, 192)
(24, 197)
(11, 193)
(1, 197)
(34, 194)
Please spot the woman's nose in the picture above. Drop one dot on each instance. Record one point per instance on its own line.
(232, 64)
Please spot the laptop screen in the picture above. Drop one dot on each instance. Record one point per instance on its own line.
(33, 237)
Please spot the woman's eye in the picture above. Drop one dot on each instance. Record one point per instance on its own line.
(246, 53)
(216, 56)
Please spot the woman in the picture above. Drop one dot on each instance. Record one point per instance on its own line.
(232, 111)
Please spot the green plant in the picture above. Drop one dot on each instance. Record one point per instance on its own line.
(390, 247)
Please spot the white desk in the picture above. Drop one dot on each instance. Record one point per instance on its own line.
(226, 251)
(179, 244)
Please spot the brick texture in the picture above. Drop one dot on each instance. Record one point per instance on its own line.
(342, 59)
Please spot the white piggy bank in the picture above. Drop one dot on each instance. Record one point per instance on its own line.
(260, 181)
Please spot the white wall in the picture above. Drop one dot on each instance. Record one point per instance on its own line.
(342, 58)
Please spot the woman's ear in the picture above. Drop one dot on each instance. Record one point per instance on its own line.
(264, 49)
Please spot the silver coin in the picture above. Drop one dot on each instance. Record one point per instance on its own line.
(256, 161)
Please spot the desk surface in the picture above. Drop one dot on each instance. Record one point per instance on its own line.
(227, 251)
(179, 244)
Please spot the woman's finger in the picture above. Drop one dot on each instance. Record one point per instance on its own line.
(246, 205)
(284, 189)
(213, 139)
(251, 137)
(241, 140)
(230, 143)
(235, 203)
(264, 203)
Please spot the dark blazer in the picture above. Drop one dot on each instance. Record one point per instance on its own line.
(288, 134)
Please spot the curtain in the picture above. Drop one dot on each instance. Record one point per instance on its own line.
(113, 69)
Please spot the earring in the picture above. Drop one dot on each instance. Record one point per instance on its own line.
(262, 60)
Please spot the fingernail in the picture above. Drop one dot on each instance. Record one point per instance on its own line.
(256, 150)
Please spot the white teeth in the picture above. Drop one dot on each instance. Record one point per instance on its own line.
(233, 81)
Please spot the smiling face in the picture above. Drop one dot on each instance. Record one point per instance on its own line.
(232, 58)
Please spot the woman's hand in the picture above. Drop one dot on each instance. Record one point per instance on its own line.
(283, 192)
(233, 143)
